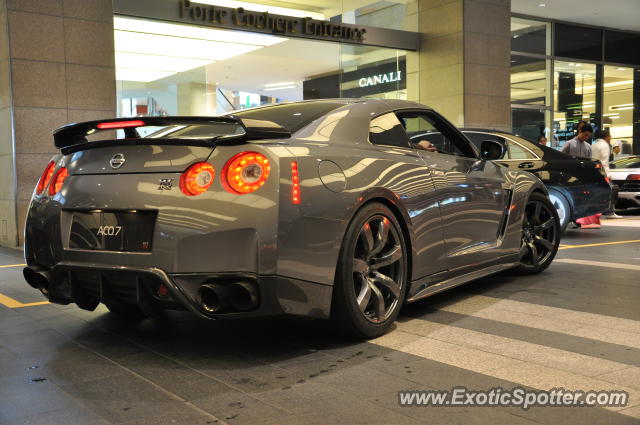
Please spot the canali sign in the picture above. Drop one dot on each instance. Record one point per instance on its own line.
(374, 80)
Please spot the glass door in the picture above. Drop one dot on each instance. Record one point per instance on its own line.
(574, 88)
(617, 108)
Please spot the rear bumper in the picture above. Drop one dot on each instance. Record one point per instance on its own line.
(587, 200)
(628, 199)
(88, 285)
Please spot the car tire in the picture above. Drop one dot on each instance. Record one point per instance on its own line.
(561, 204)
(541, 232)
(371, 275)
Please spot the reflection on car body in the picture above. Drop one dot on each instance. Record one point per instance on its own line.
(320, 209)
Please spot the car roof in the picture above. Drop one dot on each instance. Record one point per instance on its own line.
(375, 103)
(489, 130)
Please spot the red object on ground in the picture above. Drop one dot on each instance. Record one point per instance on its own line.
(591, 222)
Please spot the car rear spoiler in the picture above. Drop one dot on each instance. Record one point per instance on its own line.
(72, 136)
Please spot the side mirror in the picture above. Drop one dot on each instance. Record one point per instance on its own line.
(491, 150)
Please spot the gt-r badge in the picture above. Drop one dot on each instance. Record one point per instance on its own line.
(165, 184)
(117, 161)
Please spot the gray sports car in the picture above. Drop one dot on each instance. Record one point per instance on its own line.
(338, 209)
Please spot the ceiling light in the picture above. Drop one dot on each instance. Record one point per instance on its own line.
(281, 88)
(190, 31)
(157, 63)
(140, 75)
(163, 45)
(288, 83)
(542, 5)
(625, 107)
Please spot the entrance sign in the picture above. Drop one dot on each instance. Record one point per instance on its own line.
(193, 13)
(276, 24)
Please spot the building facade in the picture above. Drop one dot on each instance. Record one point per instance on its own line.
(563, 73)
(74, 60)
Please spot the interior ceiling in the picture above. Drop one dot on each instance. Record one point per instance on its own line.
(622, 14)
(291, 61)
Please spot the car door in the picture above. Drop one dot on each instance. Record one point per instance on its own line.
(412, 182)
(471, 192)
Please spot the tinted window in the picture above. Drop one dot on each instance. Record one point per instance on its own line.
(478, 138)
(512, 150)
(428, 127)
(622, 47)
(518, 152)
(387, 130)
(292, 116)
(578, 42)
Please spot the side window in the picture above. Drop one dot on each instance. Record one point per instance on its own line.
(421, 128)
(478, 138)
(518, 152)
(387, 130)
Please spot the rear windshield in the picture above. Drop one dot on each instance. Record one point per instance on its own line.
(631, 162)
(291, 116)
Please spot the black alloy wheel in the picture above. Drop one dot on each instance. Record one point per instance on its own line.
(371, 278)
(540, 234)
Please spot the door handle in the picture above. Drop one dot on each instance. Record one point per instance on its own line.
(527, 164)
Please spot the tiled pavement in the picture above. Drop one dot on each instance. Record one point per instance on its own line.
(575, 326)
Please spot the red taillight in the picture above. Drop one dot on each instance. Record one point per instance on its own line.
(197, 178)
(295, 183)
(633, 177)
(245, 172)
(58, 181)
(46, 177)
(607, 179)
(120, 124)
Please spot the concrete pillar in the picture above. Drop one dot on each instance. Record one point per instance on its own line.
(57, 66)
(464, 60)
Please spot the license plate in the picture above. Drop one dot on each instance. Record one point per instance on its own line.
(129, 231)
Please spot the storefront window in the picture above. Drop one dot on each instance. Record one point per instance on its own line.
(572, 41)
(574, 89)
(617, 108)
(621, 47)
(529, 80)
(530, 123)
(529, 36)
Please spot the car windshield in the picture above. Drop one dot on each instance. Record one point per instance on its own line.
(631, 162)
(292, 116)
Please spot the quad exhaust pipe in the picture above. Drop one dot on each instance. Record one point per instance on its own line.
(38, 279)
(244, 295)
(215, 297)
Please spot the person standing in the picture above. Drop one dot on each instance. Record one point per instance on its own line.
(542, 140)
(601, 148)
(601, 151)
(579, 145)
